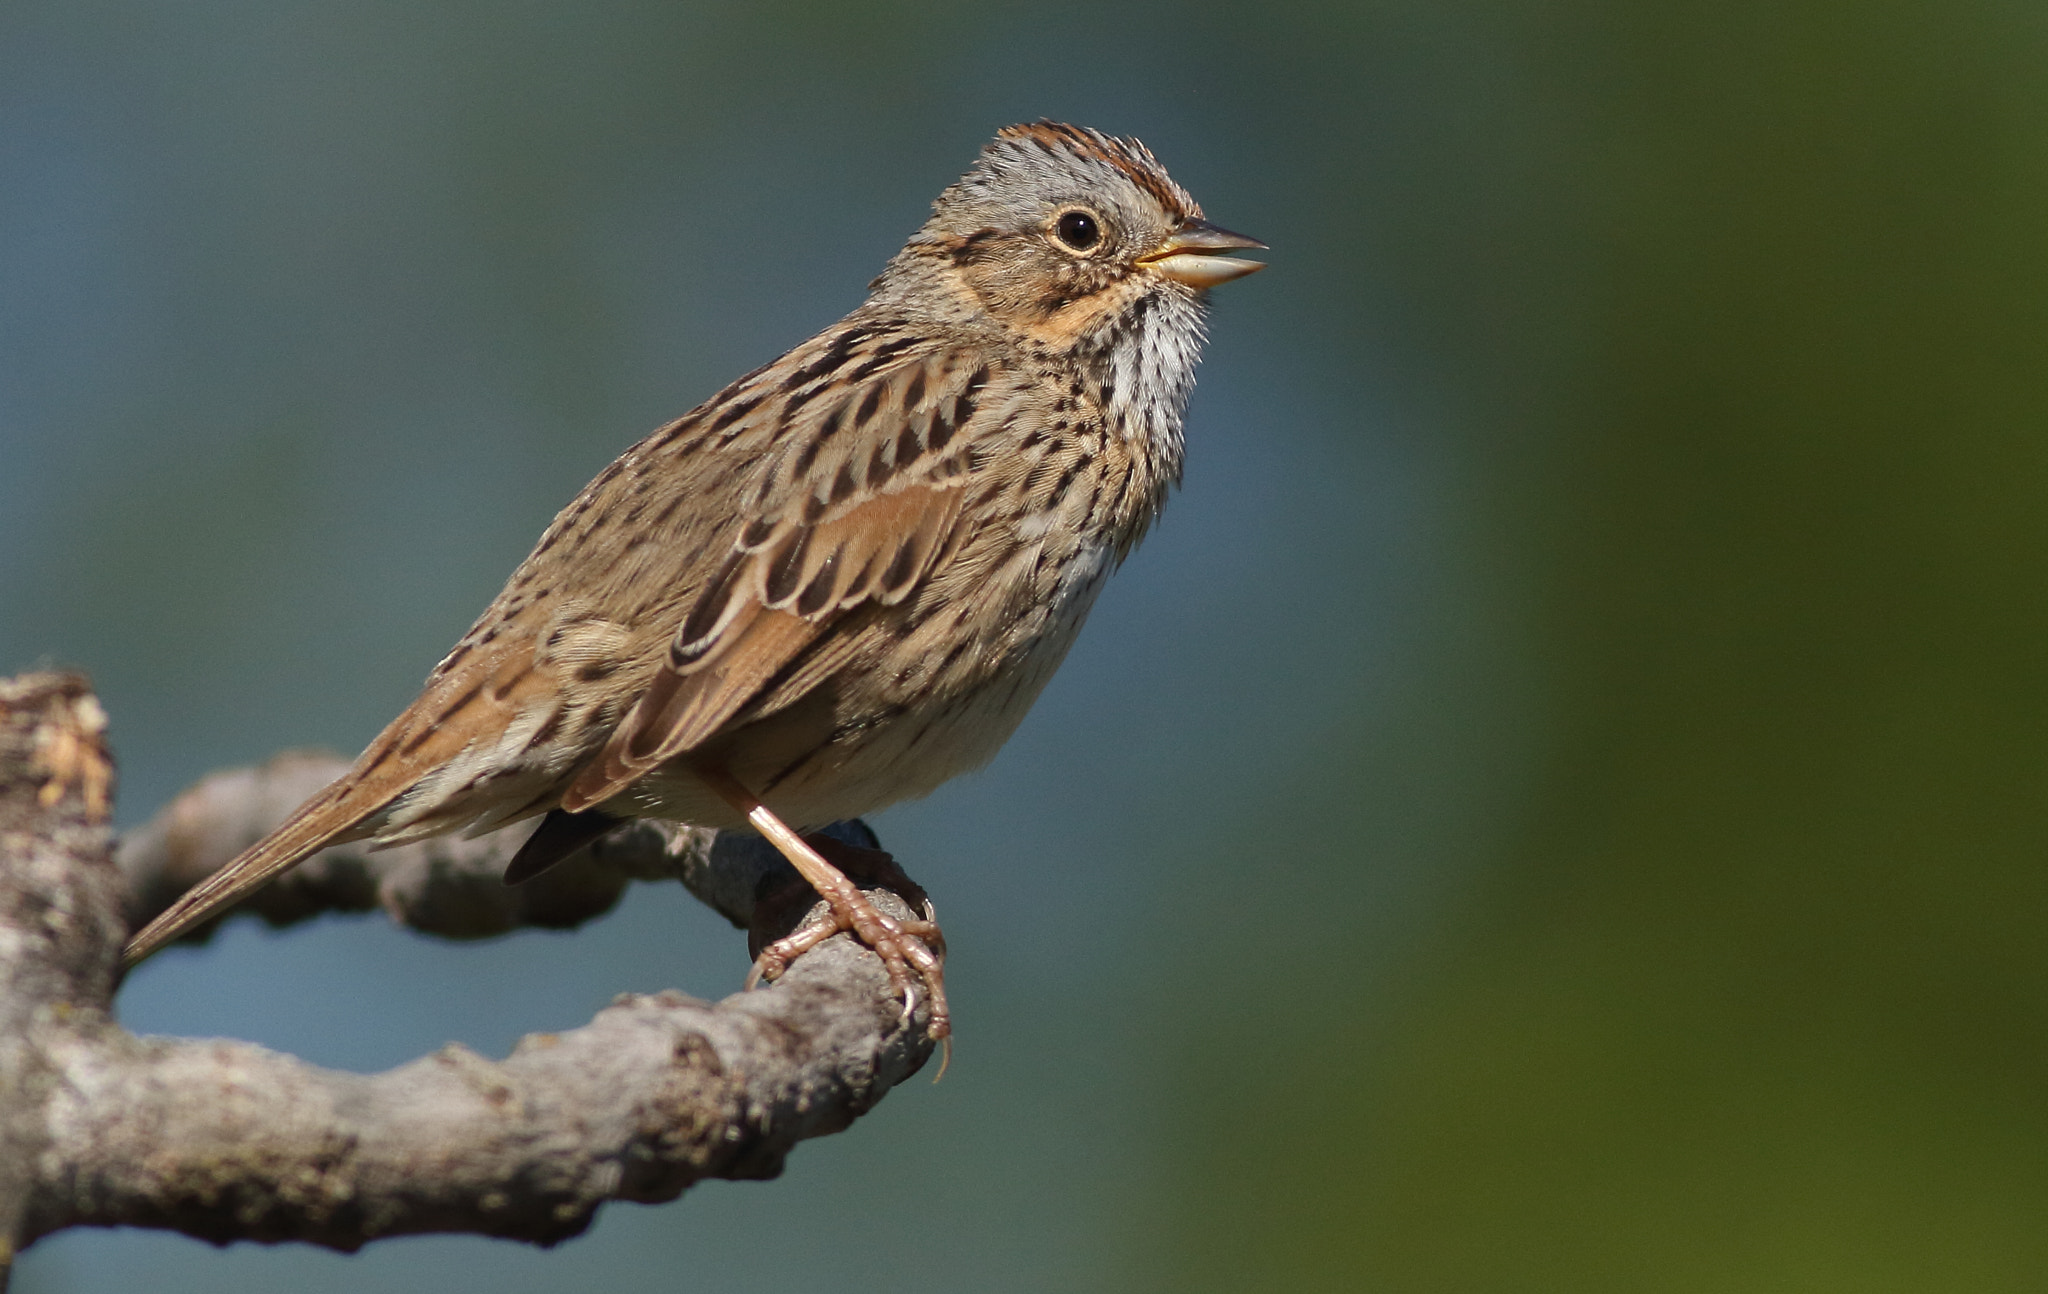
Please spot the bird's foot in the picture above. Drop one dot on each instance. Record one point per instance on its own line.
(913, 951)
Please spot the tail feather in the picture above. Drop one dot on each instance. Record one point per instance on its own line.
(470, 701)
(321, 821)
(559, 835)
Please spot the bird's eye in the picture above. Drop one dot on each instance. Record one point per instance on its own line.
(1079, 230)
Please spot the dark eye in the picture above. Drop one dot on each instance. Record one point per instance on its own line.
(1078, 230)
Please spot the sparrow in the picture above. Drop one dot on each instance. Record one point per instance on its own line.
(839, 581)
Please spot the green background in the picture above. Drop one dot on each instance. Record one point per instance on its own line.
(1558, 805)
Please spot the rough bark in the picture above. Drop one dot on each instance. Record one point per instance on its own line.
(226, 1140)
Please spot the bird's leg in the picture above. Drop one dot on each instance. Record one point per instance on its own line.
(869, 869)
(910, 950)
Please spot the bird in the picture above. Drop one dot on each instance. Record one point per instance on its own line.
(841, 580)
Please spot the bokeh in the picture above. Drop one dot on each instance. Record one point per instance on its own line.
(1558, 804)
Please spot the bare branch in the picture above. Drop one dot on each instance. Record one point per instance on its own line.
(225, 1140)
(58, 913)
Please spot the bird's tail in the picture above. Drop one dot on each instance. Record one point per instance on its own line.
(320, 821)
(465, 707)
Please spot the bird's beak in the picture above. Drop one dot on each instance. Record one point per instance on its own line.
(1194, 255)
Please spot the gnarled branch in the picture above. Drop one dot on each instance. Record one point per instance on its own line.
(227, 1140)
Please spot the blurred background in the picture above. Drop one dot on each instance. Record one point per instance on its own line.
(1560, 803)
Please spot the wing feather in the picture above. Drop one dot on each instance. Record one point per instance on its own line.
(841, 521)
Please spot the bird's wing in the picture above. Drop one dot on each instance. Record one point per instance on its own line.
(860, 501)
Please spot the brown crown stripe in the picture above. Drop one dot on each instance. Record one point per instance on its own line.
(1129, 156)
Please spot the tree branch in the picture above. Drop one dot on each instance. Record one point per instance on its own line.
(226, 1140)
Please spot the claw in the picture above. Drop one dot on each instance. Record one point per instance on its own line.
(909, 955)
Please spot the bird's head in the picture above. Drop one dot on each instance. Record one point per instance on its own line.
(1057, 228)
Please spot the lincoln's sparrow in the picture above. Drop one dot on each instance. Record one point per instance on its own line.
(842, 579)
